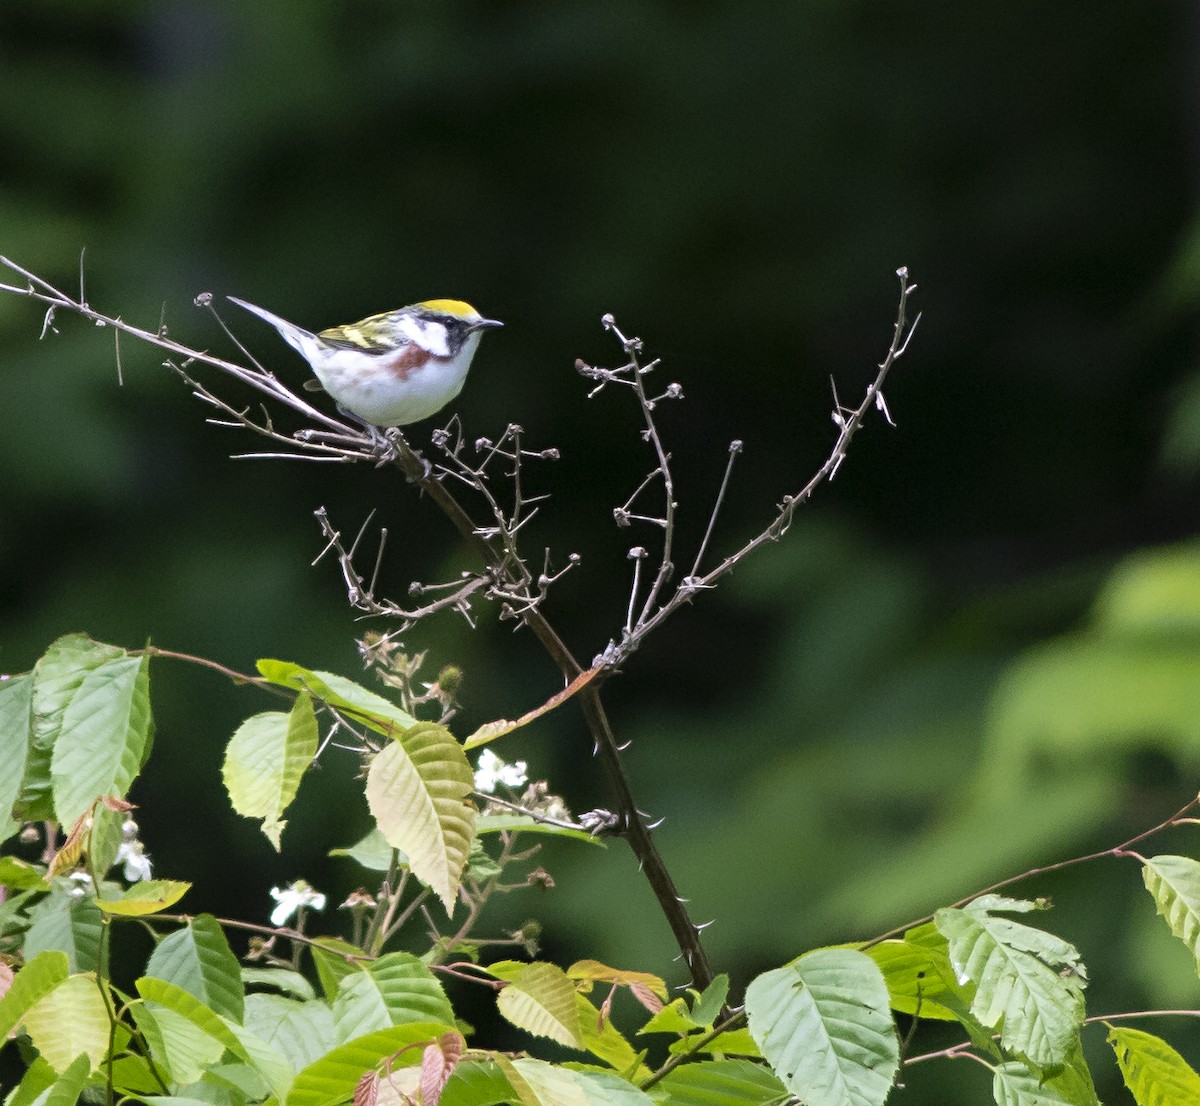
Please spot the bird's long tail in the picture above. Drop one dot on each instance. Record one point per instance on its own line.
(297, 337)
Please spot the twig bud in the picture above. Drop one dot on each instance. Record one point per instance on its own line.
(204, 299)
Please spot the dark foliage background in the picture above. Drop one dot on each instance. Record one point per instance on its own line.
(833, 736)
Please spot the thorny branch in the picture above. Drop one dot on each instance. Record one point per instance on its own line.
(506, 576)
(848, 420)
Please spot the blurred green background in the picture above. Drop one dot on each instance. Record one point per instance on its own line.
(977, 651)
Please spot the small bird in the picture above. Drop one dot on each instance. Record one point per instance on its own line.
(394, 368)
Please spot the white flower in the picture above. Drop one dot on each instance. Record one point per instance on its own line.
(132, 853)
(492, 770)
(80, 884)
(137, 864)
(291, 898)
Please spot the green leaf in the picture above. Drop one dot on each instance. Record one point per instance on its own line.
(822, 1022)
(371, 852)
(1154, 1072)
(58, 675)
(332, 1079)
(181, 1050)
(265, 761)
(476, 1083)
(603, 1040)
(38, 1078)
(1023, 982)
(245, 1045)
(103, 729)
(198, 959)
(395, 989)
(708, 1005)
(417, 789)
(67, 1088)
(918, 974)
(552, 1085)
(1017, 1084)
(300, 1031)
(20, 875)
(16, 735)
(345, 695)
(36, 979)
(540, 999)
(69, 1020)
(334, 960)
(289, 982)
(722, 1083)
(1174, 882)
(149, 896)
(72, 927)
(524, 823)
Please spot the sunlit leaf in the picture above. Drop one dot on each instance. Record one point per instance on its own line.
(1154, 1072)
(417, 789)
(265, 761)
(69, 1020)
(541, 1000)
(197, 958)
(1174, 882)
(824, 1026)
(147, 897)
(1022, 982)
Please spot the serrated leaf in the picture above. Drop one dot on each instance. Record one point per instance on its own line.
(362, 704)
(198, 959)
(265, 761)
(1174, 883)
(16, 736)
(592, 971)
(1154, 1072)
(551, 1085)
(57, 676)
(1017, 1084)
(395, 989)
(416, 790)
(246, 1046)
(919, 978)
(541, 1000)
(1022, 982)
(722, 1083)
(524, 823)
(477, 1083)
(67, 1088)
(181, 1050)
(69, 1020)
(103, 728)
(148, 896)
(334, 960)
(603, 1040)
(824, 1026)
(332, 1079)
(36, 979)
(73, 927)
(300, 1031)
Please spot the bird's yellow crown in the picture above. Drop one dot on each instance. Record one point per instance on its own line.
(450, 307)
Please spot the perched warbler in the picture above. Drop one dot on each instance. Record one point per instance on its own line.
(395, 368)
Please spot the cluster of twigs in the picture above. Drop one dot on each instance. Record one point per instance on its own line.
(505, 575)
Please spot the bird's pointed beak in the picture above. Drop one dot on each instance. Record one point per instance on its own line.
(486, 324)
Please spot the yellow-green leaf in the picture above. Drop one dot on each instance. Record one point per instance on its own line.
(70, 1020)
(417, 789)
(541, 1000)
(147, 897)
